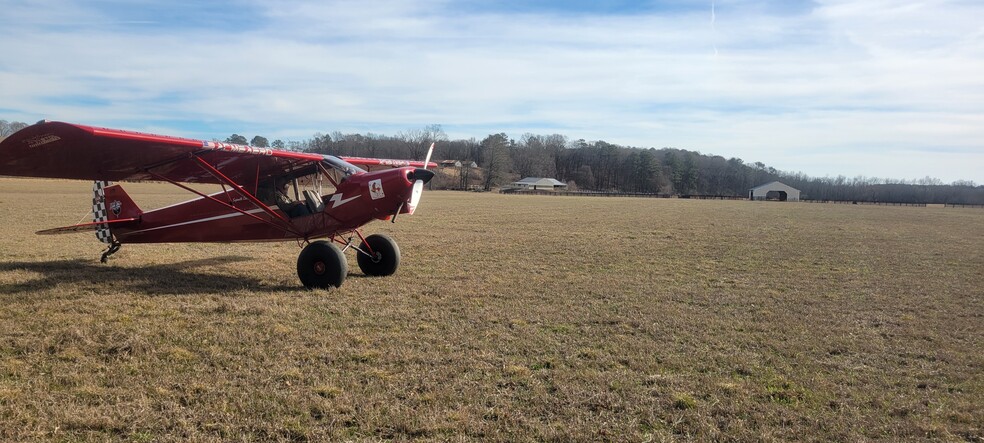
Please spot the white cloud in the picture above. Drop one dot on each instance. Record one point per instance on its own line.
(873, 81)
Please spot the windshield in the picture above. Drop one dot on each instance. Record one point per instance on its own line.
(340, 165)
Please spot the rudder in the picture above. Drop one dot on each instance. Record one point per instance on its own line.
(120, 204)
(110, 202)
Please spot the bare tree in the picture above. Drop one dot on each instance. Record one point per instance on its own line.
(534, 158)
(320, 143)
(417, 141)
(7, 128)
(495, 159)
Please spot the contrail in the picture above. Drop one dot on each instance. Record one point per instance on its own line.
(713, 29)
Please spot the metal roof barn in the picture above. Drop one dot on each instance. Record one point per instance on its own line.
(774, 191)
(539, 183)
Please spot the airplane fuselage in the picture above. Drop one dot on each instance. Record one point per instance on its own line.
(358, 199)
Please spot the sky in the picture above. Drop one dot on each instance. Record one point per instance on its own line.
(879, 88)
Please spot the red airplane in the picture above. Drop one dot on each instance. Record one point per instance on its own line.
(267, 194)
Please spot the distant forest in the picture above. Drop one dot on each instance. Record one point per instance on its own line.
(606, 167)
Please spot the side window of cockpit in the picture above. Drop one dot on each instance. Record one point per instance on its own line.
(266, 192)
(275, 192)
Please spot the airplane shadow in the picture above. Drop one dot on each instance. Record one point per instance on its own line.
(165, 279)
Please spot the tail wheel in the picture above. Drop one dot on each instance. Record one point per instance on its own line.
(321, 265)
(385, 256)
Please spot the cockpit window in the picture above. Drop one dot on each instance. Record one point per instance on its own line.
(342, 166)
(291, 191)
(288, 190)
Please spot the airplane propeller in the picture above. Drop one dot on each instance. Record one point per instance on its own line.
(420, 177)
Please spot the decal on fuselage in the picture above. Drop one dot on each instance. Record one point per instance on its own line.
(336, 200)
(40, 140)
(116, 206)
(376, 189)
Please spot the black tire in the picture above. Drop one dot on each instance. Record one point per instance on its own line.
(321, 265)
(387, 256)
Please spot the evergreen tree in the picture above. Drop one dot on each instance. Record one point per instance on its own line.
(260, 142)
(237, 139)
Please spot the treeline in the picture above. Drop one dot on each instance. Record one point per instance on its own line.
(602, 166)
(606, 167)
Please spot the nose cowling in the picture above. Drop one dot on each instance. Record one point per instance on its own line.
(419, 177)
(420, 174)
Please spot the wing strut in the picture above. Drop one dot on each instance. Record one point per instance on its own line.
(215, 172)
(209, 197)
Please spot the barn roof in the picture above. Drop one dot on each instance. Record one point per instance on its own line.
(538, 181)
(774, 184)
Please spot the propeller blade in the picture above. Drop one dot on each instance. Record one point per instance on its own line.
(418, 189)
(420, 177)
(429, 152)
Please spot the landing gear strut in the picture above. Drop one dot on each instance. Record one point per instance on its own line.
(115, 246)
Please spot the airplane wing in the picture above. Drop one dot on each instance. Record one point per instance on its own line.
(376, 163)
(64, 150)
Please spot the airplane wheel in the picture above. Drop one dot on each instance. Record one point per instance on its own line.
(387, 257)
(321, 265)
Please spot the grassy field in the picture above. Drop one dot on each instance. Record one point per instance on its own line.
(511, 318)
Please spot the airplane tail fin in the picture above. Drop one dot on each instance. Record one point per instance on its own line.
(110, 203)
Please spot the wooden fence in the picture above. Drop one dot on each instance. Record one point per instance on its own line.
(918, 205)
(515, 191)
(857, 202)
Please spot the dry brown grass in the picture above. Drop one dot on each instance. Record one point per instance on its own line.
(512, 318)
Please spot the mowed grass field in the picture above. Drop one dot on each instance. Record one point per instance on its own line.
(512, 318)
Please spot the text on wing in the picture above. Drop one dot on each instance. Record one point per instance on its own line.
(239, 149)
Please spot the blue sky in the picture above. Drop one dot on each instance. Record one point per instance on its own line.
(870, 87)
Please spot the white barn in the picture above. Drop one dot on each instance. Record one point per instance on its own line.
(774, 191)
(536, 183)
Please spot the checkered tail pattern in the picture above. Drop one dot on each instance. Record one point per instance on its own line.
(99, 213)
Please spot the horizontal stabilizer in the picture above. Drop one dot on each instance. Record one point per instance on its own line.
(85, 227)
